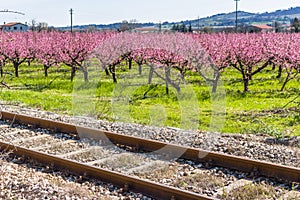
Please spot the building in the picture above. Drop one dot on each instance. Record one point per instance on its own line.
(14, 26)
(148, 29)
(254, 28)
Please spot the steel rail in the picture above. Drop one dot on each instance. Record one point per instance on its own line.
(130, 183)
(281, 172)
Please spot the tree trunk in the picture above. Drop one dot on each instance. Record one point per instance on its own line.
(287, 79)
(129, 63)
(46, 70)
(16, 66)
(246, 84)
(167, 73)
(112, 70)
(249, 73)
(86, 75)
(215, 81)
(73, 72)
(150, 75)
(1, 71)
(106, 71)
(140, 69)
(245, 81)
(279, 72)
(273, 67)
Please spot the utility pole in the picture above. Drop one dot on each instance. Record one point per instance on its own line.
(236, 15)
(71, 13)
(159, 27)
(198, 24)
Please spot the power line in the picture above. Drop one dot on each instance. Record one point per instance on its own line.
(10, 11)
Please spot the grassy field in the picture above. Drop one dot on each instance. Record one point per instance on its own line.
(265, 109)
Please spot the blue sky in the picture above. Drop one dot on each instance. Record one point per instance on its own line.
(56, 12)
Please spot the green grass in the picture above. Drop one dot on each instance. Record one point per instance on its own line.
(34, 90)
(264, 109)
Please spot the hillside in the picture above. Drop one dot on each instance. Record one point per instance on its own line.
(228, 19)
(222, 19)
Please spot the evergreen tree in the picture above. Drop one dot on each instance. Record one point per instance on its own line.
(182, 28)
(174, 27)
(277, 27)
(296, 25)
(190, 30)
(159, 27)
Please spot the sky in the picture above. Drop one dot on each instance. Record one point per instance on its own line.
(56, 12)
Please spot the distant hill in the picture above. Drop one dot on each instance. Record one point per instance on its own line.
(222, 19)
(228, 19)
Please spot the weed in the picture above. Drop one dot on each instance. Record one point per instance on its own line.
(264, 109)
(263, 129)
(253, 191)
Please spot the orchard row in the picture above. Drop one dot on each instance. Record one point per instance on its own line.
(208, 54)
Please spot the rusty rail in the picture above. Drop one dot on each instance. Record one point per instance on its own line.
(215, 159)
(155, 190)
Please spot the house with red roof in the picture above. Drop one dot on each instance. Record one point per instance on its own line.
(14, 27)
(149, 29)
(254, 28)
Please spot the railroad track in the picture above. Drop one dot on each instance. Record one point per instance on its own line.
(126, 162)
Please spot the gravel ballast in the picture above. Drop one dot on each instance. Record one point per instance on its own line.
(19, 177)
(285, 151)
(29, 180)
